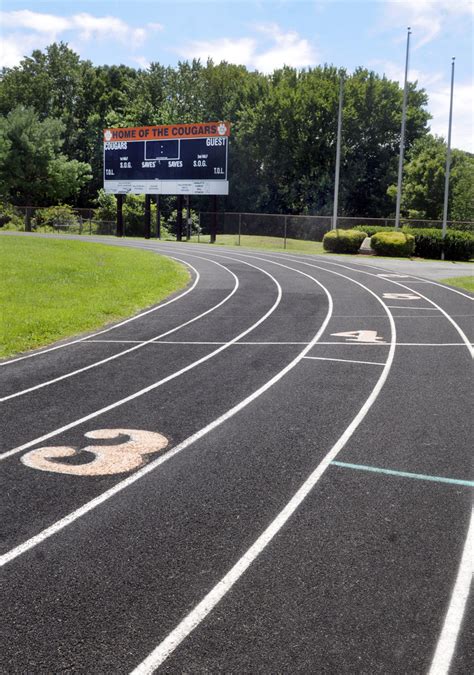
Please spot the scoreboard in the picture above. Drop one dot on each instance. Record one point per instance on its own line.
(168, 159)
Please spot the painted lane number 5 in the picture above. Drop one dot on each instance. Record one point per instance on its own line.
(128, 453)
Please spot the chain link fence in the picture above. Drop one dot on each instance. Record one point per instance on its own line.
(283, 228)
(232, 227)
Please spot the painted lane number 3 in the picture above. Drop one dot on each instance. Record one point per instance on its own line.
(128, 453)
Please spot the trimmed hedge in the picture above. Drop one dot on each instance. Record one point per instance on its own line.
(393, 243)
(458, 245)
(373, 229)
(343, 241)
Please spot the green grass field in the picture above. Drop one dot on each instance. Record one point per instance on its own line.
(268, 243)
(53, 289)
(467, 283)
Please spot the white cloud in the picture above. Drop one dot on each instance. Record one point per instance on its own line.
(438, 88)
(143, 62)
(39, 23)
(463, 123)
(275, 49)
(240, 51)
(426, 17)
(106, 27)
(289, 50)
(35, 30)
(15, 46)
(396, 72)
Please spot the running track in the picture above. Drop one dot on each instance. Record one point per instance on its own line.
(311, 511)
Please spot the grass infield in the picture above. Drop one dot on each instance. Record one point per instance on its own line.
(54, 289)
(268, 243)
(467, 283)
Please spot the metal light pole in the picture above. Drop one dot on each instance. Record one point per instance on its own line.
(402, 135)
(338, 155)
(448, 160)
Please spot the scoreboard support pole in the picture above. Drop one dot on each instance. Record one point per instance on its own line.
(179, 218)
(214, 220)
(119, 232)
(147, 216)
(188, 218)
(158, 217)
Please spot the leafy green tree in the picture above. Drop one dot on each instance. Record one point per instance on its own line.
(33, 171)
(424, 182)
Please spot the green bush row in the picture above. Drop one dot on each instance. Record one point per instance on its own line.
(458, 245)
(343, 241)
(393, 243)
(421, 242)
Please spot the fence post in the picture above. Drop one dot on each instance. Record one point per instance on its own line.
(284, 235)
(90, 225)
(214, 221)
(188, 218)
(199, 228)
(28, 219)
(158, 217)
(147, 216)
(179, 218)
(240, 226)
(119, 232)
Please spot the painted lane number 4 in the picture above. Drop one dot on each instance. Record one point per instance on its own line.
(400, 296)
(360, 336)
(128, 453)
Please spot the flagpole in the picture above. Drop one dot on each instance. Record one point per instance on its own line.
(448, 160)
(402, 136)
(338, 155)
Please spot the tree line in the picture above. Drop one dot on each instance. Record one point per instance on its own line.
(54, 106)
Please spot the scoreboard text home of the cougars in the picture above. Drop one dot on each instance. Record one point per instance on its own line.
(168, 160)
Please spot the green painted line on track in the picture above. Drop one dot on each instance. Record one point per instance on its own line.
(405, 474)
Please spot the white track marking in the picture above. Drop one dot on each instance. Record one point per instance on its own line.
(124, 456)
(207, 604)
(139, 345)
(397, 283)
(320, 342)
(326, 358)
(414, 278)
(155, 385)
(117, 325)
(89, 506)
(428, 309)
(452, 624)
(400, 296)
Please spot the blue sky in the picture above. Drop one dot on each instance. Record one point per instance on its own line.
(263, 35)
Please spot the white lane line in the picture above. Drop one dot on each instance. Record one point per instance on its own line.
(207, 604)
(117, 325)
(139, 345)
(155, 385)
(70, 518)
(320, 342)
(325, 358)
(452, 623)
(413, 277)
(463, 336)
(428, 309)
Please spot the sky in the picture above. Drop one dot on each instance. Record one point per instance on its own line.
(264, 35)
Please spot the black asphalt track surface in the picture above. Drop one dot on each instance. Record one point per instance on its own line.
(359, 578)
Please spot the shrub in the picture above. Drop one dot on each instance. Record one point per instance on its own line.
(343, 241)
(373, 229)
(393, 243)
(10, 217)
(170, 224)
(458, 245)
(56, 217)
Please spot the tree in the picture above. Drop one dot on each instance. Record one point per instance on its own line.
(33, 171)
(424, 181)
